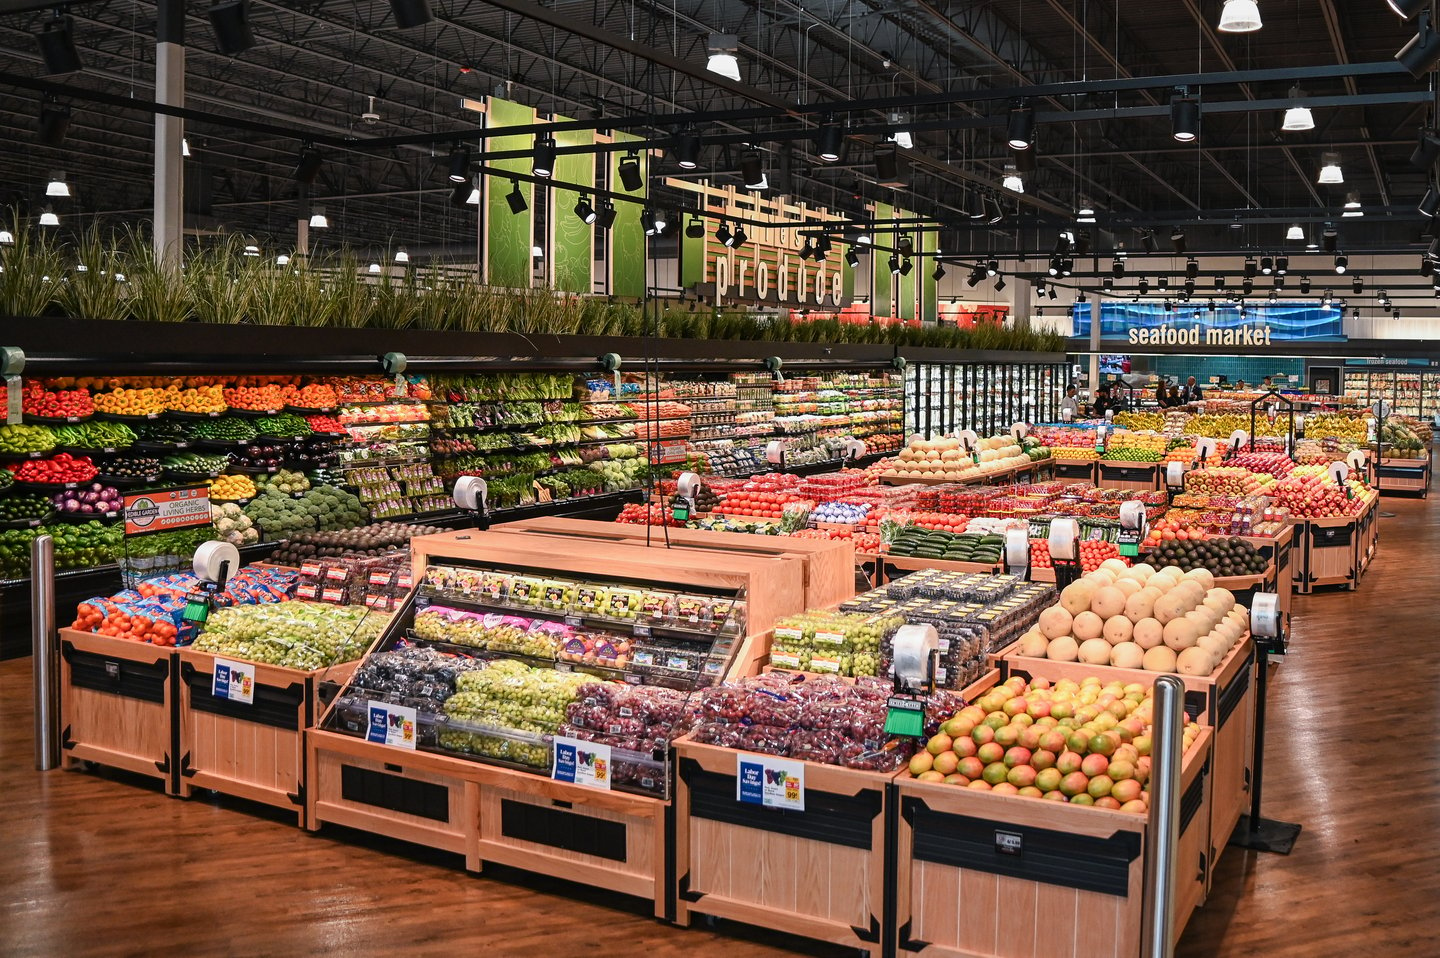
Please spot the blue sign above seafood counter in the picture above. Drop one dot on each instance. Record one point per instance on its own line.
(1191, 324)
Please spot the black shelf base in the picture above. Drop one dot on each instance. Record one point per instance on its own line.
(1268, 835)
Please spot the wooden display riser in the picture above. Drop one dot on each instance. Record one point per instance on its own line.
(254, 751)
(1403, 475)
(611, 840)
(1074, 885)
(1224, 701)
(117, 705)
(819, 873)
(1279, 550)
(1136, 476)
(1081, 470)
(828, 564)
(885, 564)
(1020, 473)
(1334, 552)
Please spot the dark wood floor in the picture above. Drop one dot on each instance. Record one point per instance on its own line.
(98, 865)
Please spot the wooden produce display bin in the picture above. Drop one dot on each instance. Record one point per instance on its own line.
(982, 875)
(1077, 469)
(819, 873)
(117, 705)
(1403, 475)
(1139, 476)
(1280, 553)
(888, 567)
(254, 751)
(828, 564)
(1224, 701)
(1330, 552)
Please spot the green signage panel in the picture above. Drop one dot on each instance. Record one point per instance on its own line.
(509, 236)
(882, 299)
(627, 238)
(572, 241)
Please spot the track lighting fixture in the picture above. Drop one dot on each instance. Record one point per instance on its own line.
(976, 275)
(1247, 286)
(1184, 117)
(822, 246)
(307, 164)
(1267, 265)
(1144, 286)
(939, 273)
(738, 237)
(1163, 282)
(516, 199)
(648, 222)
(584, 210)
(1430, 202)
(542, 162)
(1329, 238)
(630, 177)
(752, 170)
(894, 263)
(891, 167)
(1082, 243)
(1342, 262)
(723, 49)
(1052, 294)
(1240, 16)
(906, 267)
(687, 149)
(1330, 172)
(807, 249)
(1021, 126)
(1147, 240)
(1012, 180)
(1067, 266)
(1305, 284)
(975, 206)
(1107, 283)
(1357, 285)
(1192, 268)
(1219, 282)
(1279, 281)
(1297, 115)
(460, 195)
(695, 229)
(829, 140)
(1177, 239)
(459, 164)
(1249, 267)
(230, 21)
(1117, 266)
(57, 47)
(999, 284)
(900, 133)
(411, 13)
(1055, 264)
(993, 213)
(852, 259)
(54, 122)
(1420, 55)
(905, 245)
(1282, 265)
(1189, 289)
(606, 217)
(992, 267)
(1427, 150)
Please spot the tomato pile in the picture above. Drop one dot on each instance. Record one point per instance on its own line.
(767, 505)
(640, 514)
(60, 469)
(322, 424)
(36, 400)
(132, 628)
(1092, 553)
(942, 521)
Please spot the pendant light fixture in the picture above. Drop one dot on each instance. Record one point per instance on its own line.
(1085, 214)
(473, 197)
(1240, 16)
(48, 217)
(374, 269)
(7, 238)
(1330, 172)
(402, 256)
(829, 140)
(283, 259)
(1021, 126)
(1184, 117)
(1298, 117)
(318, 219)
(57, 186)
(1012, 181)
(723, 49)
(542, 162)
(1353, 206)
(900, 135)
(1295, 232)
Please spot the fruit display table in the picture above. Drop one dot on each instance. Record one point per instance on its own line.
(1079, 469)
(1403, 475)
(1335, 551)
(1139, 476)
(117, 699)
(819, 872)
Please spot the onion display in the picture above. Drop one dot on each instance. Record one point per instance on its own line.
(88, 500)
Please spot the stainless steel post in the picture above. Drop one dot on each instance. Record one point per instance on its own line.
(44, 653)
(1164, 829)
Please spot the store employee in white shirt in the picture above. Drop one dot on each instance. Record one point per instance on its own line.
(1071, 403)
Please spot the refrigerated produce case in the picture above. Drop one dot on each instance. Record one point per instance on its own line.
(1408, 392)
(943, 395)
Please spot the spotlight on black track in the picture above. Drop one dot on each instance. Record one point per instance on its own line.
(515, 198)
(57, 47)
(230, 20)
(1420, 55)
(607, 214)
(584, 210)
(542, 162)
(1177, 239)
(630, 176)
(459, 164)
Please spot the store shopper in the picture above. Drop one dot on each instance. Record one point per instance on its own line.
(1162, 392)
(1172, 399)
(1071, 403)
(1105, 403)
(1191, 392)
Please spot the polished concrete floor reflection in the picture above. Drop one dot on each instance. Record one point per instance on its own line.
(97, 865)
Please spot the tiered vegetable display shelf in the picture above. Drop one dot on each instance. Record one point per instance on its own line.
(1404, 475)
(829, 564)
(819, 873)
(117, 705)
(1224, 701)
(983, 875)
(491, 812)
(1139, 476)
(251, 750)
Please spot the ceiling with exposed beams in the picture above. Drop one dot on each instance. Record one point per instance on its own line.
(315, 63)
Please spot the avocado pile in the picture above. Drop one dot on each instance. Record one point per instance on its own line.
(931, 544)
(1223, 556)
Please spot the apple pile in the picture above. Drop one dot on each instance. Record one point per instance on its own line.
(1138, 618)
(1309, 495)
(1276, 464)
(1085, 743)
(1227, 481)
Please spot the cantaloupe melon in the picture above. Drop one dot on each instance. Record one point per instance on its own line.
(1193, 591)
(1203, 576)
(1194, 661)
(1170, 606)
(1127, 655)
(1214, 643)
(1055, 622)
(1159, 659)
(1116, 566)
(1144, 570)
(1141, 605)
(1063, 649)
(1095, 652)
(1181, 633)
(1117, 629)
(1088, 625)
(1076, 596)
(1148, 633)
(1107, 601)
(1033, 644)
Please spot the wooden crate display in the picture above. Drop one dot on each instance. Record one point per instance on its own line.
(1279, 551)
(828, 564)
(257, 750)
(1075, 469)
(117, 705)
(818, 873)
(1223, 701)
(982, 875)
(1404, 475)
(887, 567)
(1329, 553)
(1139, 476)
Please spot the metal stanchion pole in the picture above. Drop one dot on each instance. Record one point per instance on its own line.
(1164, 828)
(44, 654)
